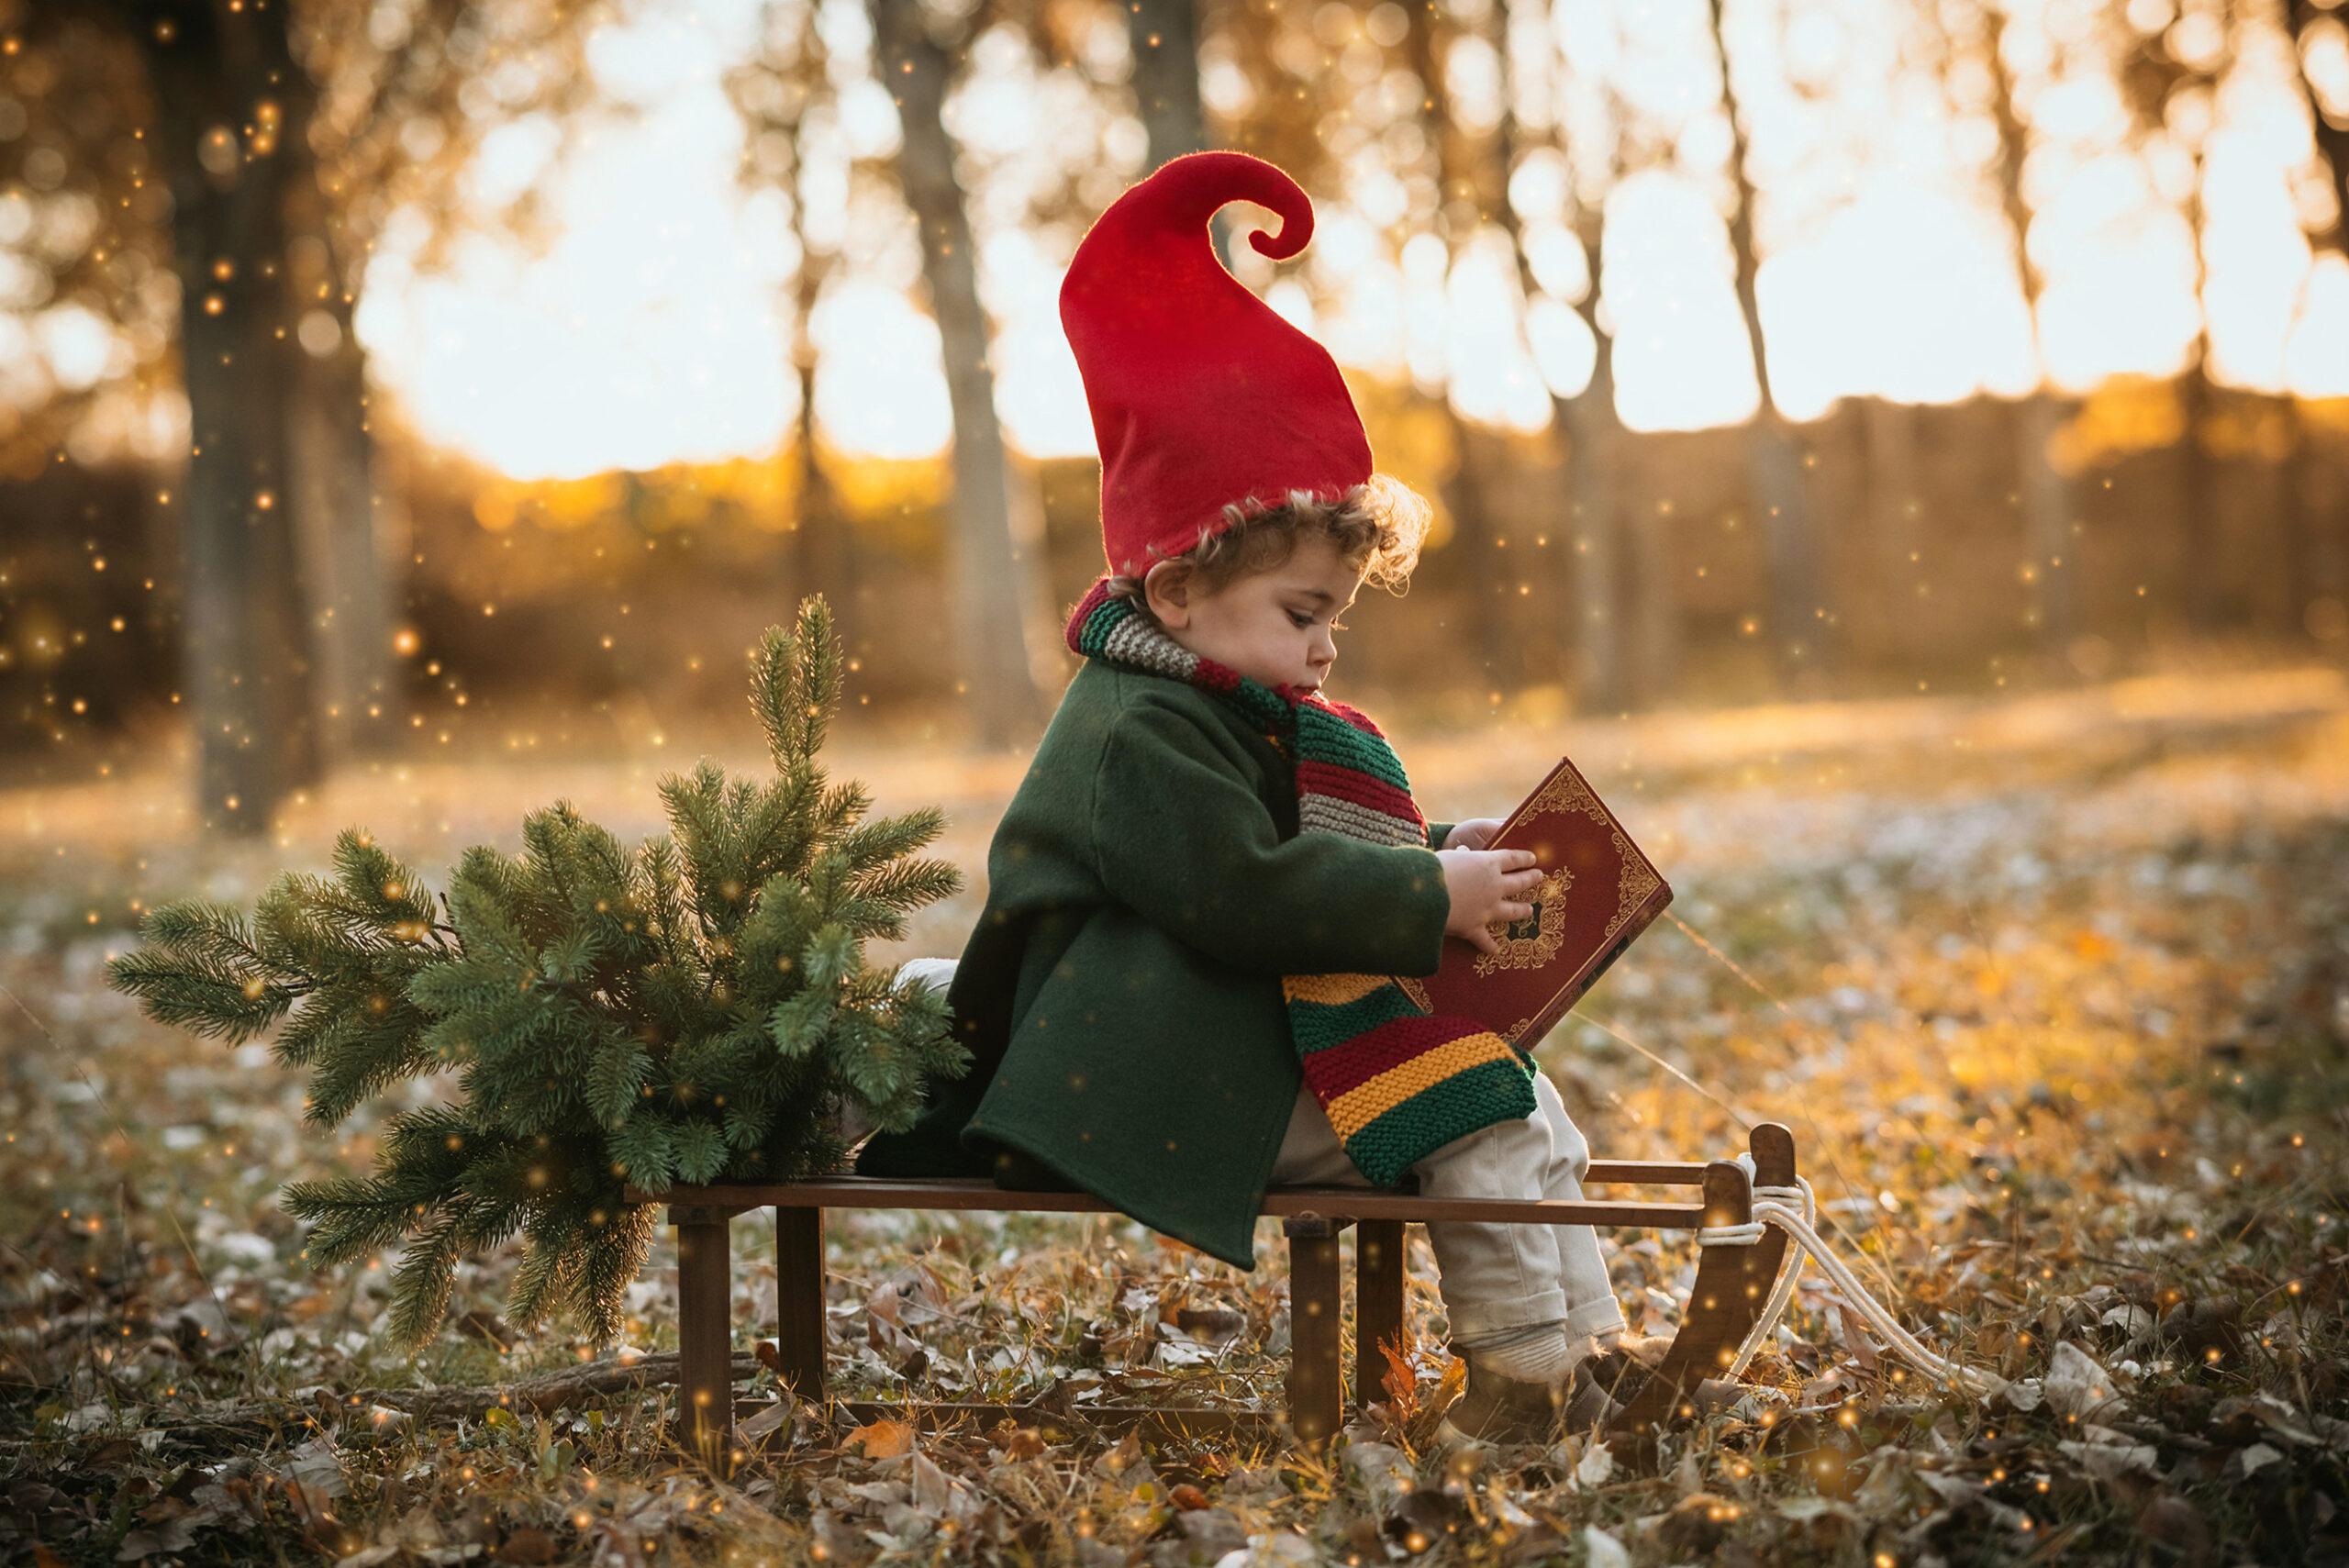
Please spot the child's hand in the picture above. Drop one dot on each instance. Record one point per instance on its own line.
(1473, 834)
(1485, 884)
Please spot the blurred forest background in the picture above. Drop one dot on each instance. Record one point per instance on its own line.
(485, 373)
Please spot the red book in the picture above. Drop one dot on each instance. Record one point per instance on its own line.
(1598, 893)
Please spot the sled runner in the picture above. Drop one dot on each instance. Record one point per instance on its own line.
(1726, 1302)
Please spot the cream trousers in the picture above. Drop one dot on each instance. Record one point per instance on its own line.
(1497, 1280)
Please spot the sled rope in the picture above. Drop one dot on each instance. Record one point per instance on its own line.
(1824, 1146)
(1795, 1210)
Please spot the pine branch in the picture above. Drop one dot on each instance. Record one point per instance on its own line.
(615, 1074)
(421, 1284)
(691, 1011)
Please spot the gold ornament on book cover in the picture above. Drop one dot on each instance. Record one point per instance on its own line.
(1536, 941)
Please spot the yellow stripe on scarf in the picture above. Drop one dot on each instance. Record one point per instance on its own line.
(1374, 1097)
(1330, 990)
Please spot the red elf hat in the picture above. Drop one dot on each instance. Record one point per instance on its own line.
(1201, 393)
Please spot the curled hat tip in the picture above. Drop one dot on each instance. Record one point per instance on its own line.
(1296, 227)
(1186, 191)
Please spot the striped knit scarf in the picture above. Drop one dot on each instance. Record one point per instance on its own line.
(1397, 1080)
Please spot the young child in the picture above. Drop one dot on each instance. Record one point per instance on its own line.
(1178, 990)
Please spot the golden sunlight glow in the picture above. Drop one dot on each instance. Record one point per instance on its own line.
(656, 329)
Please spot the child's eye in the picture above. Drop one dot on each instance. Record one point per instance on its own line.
(1299, 619)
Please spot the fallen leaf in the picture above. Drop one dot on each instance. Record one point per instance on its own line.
(527, 1546)
(885, 1439)
(939, 1495)
(1596, 1466)
(1017, 1442)
(1381, 1471)
(2136, 1323)
(2107, 1456)
(312, 1505)
(1601, 1550)
(1853, 1339)
(2077, 1385)
(767, 1420)
(316, 1464)
(2247, 1463)
(2173, 1523)
(368, 1557)
(1400, 1383)
(174, 1535)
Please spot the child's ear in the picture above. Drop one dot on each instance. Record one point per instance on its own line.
(1169, 597)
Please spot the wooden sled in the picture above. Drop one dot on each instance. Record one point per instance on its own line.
(1732, 1284)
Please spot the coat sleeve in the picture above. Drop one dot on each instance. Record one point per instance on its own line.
(1181, 838)
(1438, 832)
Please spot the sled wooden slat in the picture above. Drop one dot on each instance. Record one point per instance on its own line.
(959, 1192)
(1730, 1286)
(1280, 1202)
(1379, 1302)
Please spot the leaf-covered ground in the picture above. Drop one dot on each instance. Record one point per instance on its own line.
(2054, 993)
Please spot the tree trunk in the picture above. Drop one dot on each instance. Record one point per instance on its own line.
(2306, 568)
(1592, 570)
(2324, 529)
(1460, 180)
(1892, 507)
(2201, 563)
(1795, 594)
(2050, 530)
(822, 558)
(1490, 591)
(2323, 503)
(1164, 35)
(1612, 678)
(247, 661)
(998, 585)
(353, 578)
(1797, 602)
(2332, 136)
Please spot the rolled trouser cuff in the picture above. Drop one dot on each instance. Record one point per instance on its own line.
(1479, 1322)
(1595, 1317)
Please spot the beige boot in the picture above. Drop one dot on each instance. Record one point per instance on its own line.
(1623, 1366)
(1494, 1409)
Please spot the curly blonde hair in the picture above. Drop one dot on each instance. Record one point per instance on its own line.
(1377, 526)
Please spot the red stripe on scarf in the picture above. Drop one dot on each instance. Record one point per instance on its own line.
(1352, 784)
(1094, 598)
(1338, 1068)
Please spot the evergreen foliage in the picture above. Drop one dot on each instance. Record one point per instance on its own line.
(693, 1012)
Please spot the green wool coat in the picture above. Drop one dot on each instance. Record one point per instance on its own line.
(1120, 996)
